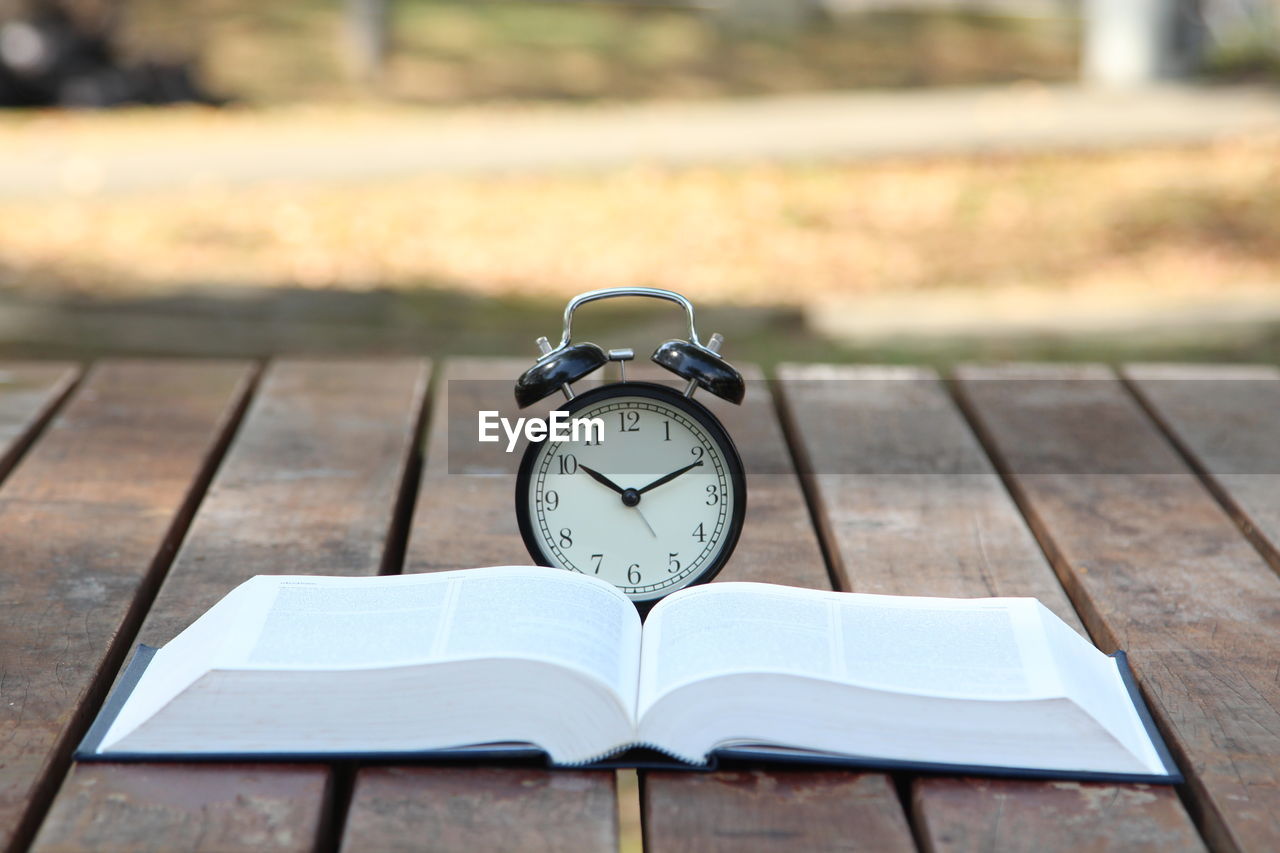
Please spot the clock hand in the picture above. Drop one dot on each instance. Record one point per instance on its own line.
(646, 521)
(634, 500)
(668, 478)
(601, 478)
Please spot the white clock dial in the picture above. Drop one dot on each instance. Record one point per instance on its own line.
(650, 508)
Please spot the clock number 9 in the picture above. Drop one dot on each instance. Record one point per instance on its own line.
(552, 500)
(633, 573)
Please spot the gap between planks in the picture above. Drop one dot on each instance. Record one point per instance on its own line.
(324, 449)
(389, 801)
(129, 529)
(1226, 433)
(909, 504)
(31, 393)
(1153, 563)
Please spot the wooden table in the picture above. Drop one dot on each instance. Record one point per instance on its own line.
(1144, 511)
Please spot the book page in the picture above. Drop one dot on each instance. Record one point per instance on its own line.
(979, 648)
(505, 612)
(1093, 681)
(302, 664)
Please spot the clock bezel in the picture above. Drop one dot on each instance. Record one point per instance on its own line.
(692, 408)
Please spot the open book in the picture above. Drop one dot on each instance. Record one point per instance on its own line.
(503, 661)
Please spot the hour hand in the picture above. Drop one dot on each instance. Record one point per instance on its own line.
(601, 478)
(668, 478)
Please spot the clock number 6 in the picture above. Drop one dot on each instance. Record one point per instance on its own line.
(633, 573)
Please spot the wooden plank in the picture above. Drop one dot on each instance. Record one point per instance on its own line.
(1225, 420)
(904, 494)
(757, 810)
(312, 485)
(164, 807)
(910, 505)
(1153, 565)
(779, 544)
(465, 515)
(88, 522)
(814, 809)
(466, 519)
(30, 392)
(481, 809)
(1002, 814)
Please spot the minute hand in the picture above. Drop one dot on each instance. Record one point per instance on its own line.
(668, 478)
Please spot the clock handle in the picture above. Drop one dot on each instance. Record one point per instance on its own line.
(700, 365)
(610, 292)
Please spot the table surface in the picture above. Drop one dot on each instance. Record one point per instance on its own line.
(1140, 504)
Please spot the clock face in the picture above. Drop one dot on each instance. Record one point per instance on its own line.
(653, 507)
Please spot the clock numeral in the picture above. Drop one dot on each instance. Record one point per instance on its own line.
(699, 534)
(633, 573)
(592, 440)
(568, 464)
(713, 495)
(697, 452)
(673, 565)
(566, 537)
(628, 421)
(551, 500)
(666, 427)
(599, 558)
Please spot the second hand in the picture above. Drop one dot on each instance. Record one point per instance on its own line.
(645, 520)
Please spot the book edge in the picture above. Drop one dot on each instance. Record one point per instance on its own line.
(91, 743)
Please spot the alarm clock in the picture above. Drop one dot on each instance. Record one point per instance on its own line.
(653, 497)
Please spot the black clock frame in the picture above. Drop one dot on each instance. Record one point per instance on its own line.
(695, 410)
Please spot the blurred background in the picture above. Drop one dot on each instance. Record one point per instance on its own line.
(890, 180)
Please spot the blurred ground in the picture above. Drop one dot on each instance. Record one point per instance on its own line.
(1017, 220)
(199, 150)
(1161, 237)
